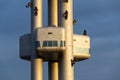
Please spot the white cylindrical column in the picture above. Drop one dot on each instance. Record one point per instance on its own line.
(36, 69)
(53, 21)
(66, 20)
(53, 70)
(36, 21)
(53, 13)
(36, 14)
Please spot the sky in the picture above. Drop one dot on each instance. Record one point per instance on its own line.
(99, 17)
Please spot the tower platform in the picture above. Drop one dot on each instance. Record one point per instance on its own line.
(49, 43)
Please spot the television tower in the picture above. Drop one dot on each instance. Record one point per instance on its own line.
(54, 43)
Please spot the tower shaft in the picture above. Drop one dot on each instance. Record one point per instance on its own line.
(66, 20)
(36, 14)
(53, 21)
(53, 13)
(36, 21)
(36, 69)
(53, 70)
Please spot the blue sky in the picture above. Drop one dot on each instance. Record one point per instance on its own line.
(99, 17)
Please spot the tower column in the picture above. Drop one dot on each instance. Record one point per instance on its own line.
(66, 20)
(53, 13)
(53, 21)
(36, 69)
(36, 14)
(36, 21)
(53, 70)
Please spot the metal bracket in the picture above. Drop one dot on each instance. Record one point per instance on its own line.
(29, 4)
(36, 11)
(66, 14)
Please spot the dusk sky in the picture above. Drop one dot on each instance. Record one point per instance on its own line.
(101, 19)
